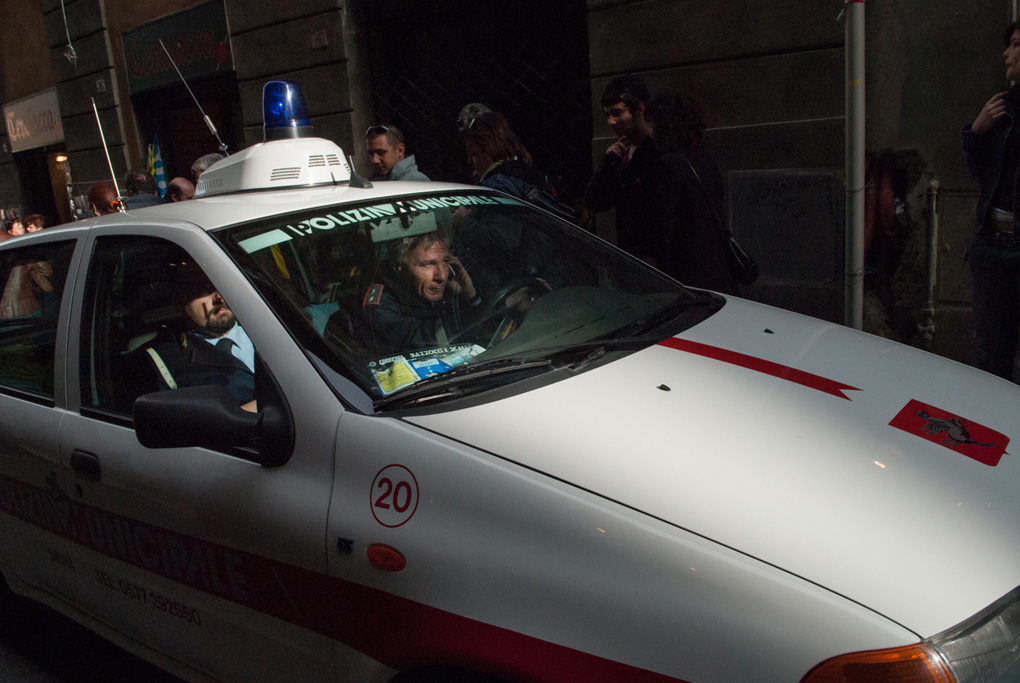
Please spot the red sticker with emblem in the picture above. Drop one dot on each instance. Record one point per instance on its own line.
(977, 442)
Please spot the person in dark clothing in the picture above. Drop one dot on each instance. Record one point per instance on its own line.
(490, 242)
(428, 303)
(140, 190)
(617, 180)
(992, 146)
(684, 196)
(210, 349)
(497, 158)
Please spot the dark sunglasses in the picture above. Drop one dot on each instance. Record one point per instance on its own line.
(376, 131)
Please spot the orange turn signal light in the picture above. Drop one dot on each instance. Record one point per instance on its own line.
(911, 664)
(385, 557)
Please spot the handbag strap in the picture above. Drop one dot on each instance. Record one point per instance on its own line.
(724, 229)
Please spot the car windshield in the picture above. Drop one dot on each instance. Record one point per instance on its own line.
(395, 293)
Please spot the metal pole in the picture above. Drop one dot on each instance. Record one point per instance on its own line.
(854, 257)
(113, 175)
(927, 325)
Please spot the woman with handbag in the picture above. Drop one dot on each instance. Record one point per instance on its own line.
(684, 194)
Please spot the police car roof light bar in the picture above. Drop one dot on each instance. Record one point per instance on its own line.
(284, 114)
(291, 157)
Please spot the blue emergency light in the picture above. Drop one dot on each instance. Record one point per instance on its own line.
(296, 158)
(284, 114)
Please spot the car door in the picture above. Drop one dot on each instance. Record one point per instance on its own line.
(34, 303)
(206, 556)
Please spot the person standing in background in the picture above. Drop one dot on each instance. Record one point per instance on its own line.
(103, 198)
(204, 162)
(179, 190)
(387, 152)
(992, 146)
(685, 194)
(618, 179)
(35, 222)
(140, 190)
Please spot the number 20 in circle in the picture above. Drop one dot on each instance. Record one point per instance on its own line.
(394, 496)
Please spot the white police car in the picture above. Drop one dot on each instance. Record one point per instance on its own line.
(488, 447)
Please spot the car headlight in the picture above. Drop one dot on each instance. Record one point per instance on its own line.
(982, 649)
(986, 647)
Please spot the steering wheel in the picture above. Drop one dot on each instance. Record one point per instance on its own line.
(536, 287)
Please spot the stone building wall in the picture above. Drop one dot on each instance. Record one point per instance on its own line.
(771, 79)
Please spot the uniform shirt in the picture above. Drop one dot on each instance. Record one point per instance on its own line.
(243, 349)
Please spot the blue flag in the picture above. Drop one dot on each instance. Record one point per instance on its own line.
(156, 166)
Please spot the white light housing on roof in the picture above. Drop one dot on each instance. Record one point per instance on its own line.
(288, 159)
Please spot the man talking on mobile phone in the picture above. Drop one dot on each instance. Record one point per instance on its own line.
(426, 301)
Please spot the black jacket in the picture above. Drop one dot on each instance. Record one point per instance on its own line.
(622, 185)
(684, 193)
(399, 324)
(191, 361)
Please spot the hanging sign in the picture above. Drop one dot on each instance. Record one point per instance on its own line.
(34, 121)
(197, 39)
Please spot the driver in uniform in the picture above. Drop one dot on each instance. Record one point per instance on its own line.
(430, 302)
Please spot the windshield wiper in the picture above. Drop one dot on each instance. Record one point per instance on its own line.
(643, 326)
(453, 382)
(486, 373)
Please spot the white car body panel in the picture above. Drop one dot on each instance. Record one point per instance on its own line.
(490, 542)
(775, 469)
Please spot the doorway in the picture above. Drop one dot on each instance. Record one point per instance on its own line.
(43, 184)
(171, 114)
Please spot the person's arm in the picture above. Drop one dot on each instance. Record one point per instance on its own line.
(994, 109)
(604, 188)
(461, 283)
(978, 143)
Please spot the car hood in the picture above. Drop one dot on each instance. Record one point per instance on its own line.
(832, 454)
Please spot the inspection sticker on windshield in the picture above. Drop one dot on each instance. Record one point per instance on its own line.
(977, 442)
(396, 372)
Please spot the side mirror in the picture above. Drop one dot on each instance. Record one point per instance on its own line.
(209, 417)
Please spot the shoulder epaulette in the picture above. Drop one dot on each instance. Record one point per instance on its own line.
(373, 296)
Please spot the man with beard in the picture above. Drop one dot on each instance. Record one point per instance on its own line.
(210, 348)
(620, 178)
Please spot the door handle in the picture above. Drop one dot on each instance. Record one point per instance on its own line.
(85, 465)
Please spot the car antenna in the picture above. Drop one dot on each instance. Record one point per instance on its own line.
(109, 161)
(205, 117)
(357, 180)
